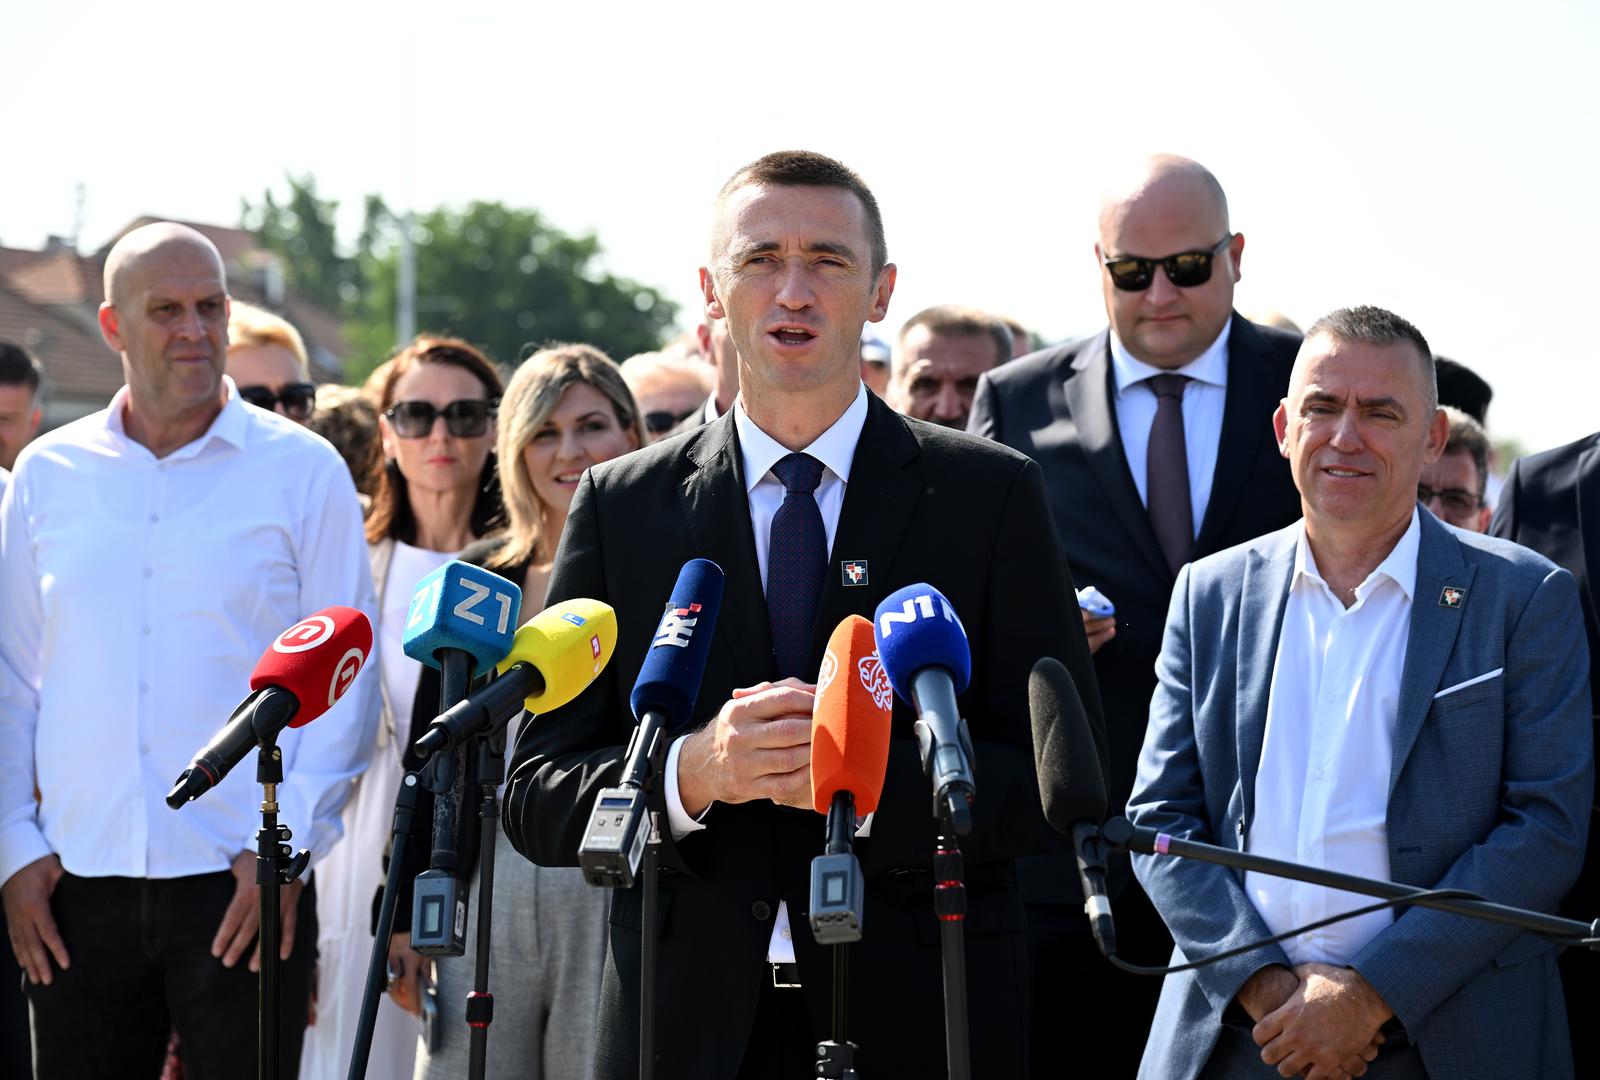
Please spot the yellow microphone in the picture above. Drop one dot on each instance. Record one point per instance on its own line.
(554, 657)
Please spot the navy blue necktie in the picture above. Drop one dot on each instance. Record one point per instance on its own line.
(797, 556)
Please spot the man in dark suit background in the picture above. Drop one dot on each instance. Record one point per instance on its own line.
(1155, 436)
(1551, 503)
(817, 500)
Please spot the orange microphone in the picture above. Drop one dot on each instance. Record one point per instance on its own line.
(849, 753)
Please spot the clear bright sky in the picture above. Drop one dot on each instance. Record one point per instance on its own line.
(1439, 159)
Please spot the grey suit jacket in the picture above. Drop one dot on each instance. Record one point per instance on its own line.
(1489, 789)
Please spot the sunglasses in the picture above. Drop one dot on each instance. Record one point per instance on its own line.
(298, 398)
(465, 419)
(657, 422)
(1185, 270)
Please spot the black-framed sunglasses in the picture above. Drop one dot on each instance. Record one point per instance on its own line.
(465, 419)
(1186, 269)
(298, 398)
(1457, 502)
(663, 420)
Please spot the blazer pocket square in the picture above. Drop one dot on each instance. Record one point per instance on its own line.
(1474, 681)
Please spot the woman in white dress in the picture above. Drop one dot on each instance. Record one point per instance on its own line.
(436, 400)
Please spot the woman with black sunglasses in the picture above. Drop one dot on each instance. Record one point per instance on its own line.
(436, 494)
(267, 362)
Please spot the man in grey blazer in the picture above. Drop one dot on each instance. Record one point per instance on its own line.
(1376, 692)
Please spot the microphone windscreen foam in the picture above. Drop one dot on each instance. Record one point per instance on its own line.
(669, 678)
(316, 660)
(570, 643)
(917, 628)
(851, 719)
(461, 606)
(1072, 786)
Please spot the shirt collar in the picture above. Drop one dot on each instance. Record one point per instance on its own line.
(835, 448)
(1399, 566)
(1210, 367)
(230, 425)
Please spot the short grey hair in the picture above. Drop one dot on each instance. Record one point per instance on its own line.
(1376, 326)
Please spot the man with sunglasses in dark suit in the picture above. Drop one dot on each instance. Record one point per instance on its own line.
(1155, 436)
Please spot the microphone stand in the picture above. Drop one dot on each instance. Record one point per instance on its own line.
(950, 905)
(274, 868)
(647, 918)
(1123, 835)
(405, 805)
(491, 746)
(836, 1057)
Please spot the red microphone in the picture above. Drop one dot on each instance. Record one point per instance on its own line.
(303, 672)
(849, 755)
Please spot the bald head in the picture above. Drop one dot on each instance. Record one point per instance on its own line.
(1164, 181)
(159, 241)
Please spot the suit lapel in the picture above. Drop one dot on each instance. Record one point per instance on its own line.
(1246, 426)
(1432, 635)
(882, 489)
(717, 509)
(1588, 487)
(1268, 573)
(1088, 398)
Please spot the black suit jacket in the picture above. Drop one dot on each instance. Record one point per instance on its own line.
(1057, 406)
(922, 504)
(1551, 503)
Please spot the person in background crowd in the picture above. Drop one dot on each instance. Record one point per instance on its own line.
(199, 530)
(1155, 436)
(807, 462)
(668, 387)
(724, 359)
(1551, 503)
(267, 361)
(1021, 339)
(1466, 390)
(347, 418)
(874, 364)
(437, 493)
(16, 1056)
(565, 409)
(1374, 693)
(20, 412)
(1452, 487)
(1277, 320)
(942, 352)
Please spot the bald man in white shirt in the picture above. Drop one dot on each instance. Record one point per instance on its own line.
(148, 554)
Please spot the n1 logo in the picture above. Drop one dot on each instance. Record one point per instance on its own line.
(917, 607)
(677, 627)
(476, 593)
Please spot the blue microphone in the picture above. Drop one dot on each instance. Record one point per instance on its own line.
(925, 653)
(462, 620)
(663, 700)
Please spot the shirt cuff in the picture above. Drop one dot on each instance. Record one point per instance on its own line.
(21, 844)
(678, 819)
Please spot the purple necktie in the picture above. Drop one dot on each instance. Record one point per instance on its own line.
(1167, 473)
(797, 556)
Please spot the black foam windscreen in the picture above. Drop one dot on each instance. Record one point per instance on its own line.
(1072, 785)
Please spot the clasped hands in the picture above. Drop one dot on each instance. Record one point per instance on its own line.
(1317, 1021)
(758, 747)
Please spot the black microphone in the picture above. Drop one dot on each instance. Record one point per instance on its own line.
(1072, 785)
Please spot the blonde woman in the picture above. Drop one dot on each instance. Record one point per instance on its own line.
(565, 409)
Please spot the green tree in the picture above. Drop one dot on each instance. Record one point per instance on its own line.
(498, 276)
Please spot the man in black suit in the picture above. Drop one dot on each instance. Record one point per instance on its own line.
(1143, 477)
(1551, 503)
(798, 264)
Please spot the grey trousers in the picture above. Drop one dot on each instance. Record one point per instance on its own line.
(547, 950)
(1237, 1057)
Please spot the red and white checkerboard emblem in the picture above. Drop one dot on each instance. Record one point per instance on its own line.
(853, 571)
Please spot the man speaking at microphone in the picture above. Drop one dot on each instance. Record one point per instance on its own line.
(817, 501)
(149, 553)
(1372, 692)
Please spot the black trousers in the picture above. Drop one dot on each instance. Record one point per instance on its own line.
(142, 965)
(16, 1057)
(781, 1045)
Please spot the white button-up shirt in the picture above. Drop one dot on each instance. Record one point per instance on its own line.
(1322, 787)
(758, 453)
(139, 594)
(1205, 397)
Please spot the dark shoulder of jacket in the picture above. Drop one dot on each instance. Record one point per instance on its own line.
(480, 551)
(1026, 372)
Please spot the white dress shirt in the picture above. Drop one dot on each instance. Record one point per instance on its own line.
(1322, 787)
(139, 594)
(1204, 399)
(758, 453)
